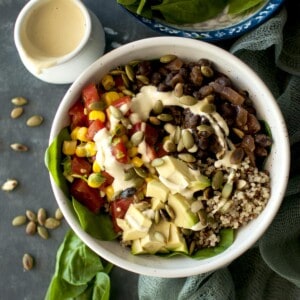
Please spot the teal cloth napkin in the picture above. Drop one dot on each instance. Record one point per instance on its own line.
(270, 269)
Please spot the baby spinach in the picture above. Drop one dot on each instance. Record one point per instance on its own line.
(238, 6)
(79, 273)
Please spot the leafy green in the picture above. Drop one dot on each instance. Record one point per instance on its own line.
(239, 6)
(98, 226)
(79, 272)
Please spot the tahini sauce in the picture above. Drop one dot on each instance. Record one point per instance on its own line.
(52, 30)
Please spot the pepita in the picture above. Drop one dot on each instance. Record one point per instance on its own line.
(137, 137)
(16, 112)
(31, 228)
(193, 149)
(180, 145)
(225, 208)
(167, 58)
(241, 184)
(34, 121)
(116, 112)
(19, 220)
(130, 73)
(176, 135)
(141, 172)
(158, 107)
(188, 100)
(208, 108)
(27, 262)
(165, 117)
(153, 120)
(127, 92)
(238, 132)
(157, 162)
(186, 157)
(19, 147)
(43, 232)
(9, 185)
(58, 214)
(205, 130)
(129, 174)
(169, 146)
(237, 155)
(178, 90)
(31, 215)
(196, 206)
(99, 105)
(217, 180)
(144, 79)
(169, 128)
(51, 223)
(125, 80)
(227, 190)
(116, 72)
(41, 216)
(187, 139)
(207, 71)
(19, 101)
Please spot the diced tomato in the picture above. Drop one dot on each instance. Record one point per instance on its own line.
(94, 127)
(119, 151)
(90, 95)
(78, 118)
(118, 209)
(119, 82)
(108, 178)
(121, 101)
(86, 195)
(151, 134)
(80, 166)
(160, 151)
(150, 152)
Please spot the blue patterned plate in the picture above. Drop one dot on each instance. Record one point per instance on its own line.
(224, 26)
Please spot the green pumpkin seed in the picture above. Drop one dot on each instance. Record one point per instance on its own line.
(19, 147)
(129, 174)
(144, 79)
(165, 117)
(157, 162)
(188, 100)
(158, 107)
(19, 220)
(127, 92)
(202, 217)
(207, 71)
(99, 105)
(238, 132)
(130, 73)
(227, 190)
(19, 101)
(16, 112)
(208, 108)
(167, 58)
(51, 223)
(43, 232)
(225, 208)
(141, 172)
(217, 180)
(169, 128)
(31, 215)
(137, 137)
(205, 130)
(116, 112)
(41, 216)
(176, 135)
(9, 185)
(187, 139)
(169, 146)
(186, 157)
(178, 90)
(125, 80)
(27, 262)
(31, 228)
(153, 120)
(58, 214)
(180, 145)
(34, 121)
(117, 72)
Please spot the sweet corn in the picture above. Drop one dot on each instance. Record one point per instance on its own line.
(132, 151)
(109, 191)
(74, 133)
(97, 115)
(137, 161)
(95, 180)
(108, 82)
(69, 147)
(80, 150)
(81, 134)
(96, 167)
(86, 149)
(148, 179)
(110, 97)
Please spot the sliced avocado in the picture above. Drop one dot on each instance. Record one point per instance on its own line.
(130, 233)
(156, 204)
(136, 247)
(157, 189)
(184, 217)
(176, 240)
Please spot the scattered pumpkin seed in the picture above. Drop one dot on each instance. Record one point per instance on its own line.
(169, 128)
(205, 130)
(144, 79)
(227, 190)
(27, 261)
(178, 90)
(125, 80)
(41, 216)
(51, 223)
(176, 135)
(157, 162)
(19, 101)
(9, 185)
(31, 215)
(187, 139)
(188, 100)
(141, 172)
(129, 72)
(238, 132)
(165, 117)
(129, 174)
(169, 146)
(187, 157)
(217, 180)
(34, 121)
(193, 149)
(31, 228)
(19, 220)
(167, 58)
(43, 232)
(58, 214)
(158, 107)
(208, 108)
(207, 71)
(16, 112)
(153, 120)
(137, 137)
(116, 112)
(19, 147)
(116, 72)
(180, 145)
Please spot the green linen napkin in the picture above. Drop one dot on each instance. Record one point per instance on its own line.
(270, 269)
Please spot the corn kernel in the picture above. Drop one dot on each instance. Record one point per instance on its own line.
(148, 179)
(69, 147)
(137, 161)
(90, 149)
(97, 115)
(132, 151)
(109, 191)
(108, 82)
(81, 134)
(74, 133)
(96, 167)
(80, 151)
(110, 97)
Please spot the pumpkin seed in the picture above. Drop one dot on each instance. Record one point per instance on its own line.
(196, 206)
(144, 79)
(153, 120)
(127, 92)
(116, 72)
(227, 190)
(130, 73)
(99, 105)
(158, 107)
(187, 139)
(137, 137)
(205, 130)
(225, 208)
(31, 228)
(169, 128)
(237, 155)
(141, 172)
(157, 162)
(188, 100)
(34, 121)
(19, 101)
(41, 216)
(167, 58)
(193, 149)
(129, 174)
(19, 147)
(9, 185)
(125, 80)
(169, 146)
(51, 223)
(241, 184)
(217, 180)
(19, 220)
(238, 132)
(165, 117)
(27, 261)
(31, 215)
(207, 71)
(208, 108)
(180, 145)
(43, 232)
(186, 157)
(178, 90)
(16, 112)
(116, 112)
(58, 214)
(176, 135)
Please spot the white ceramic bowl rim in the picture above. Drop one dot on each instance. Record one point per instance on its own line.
(180, 267)
(26, 11)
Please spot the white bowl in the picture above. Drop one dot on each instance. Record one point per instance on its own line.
(277, 164)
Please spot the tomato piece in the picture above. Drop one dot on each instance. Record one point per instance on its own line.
(86, 195)
(151, 133)
(90, 95)
(160, 151)
(80, 166)
(118, 209)
(150, 152)
(108, 178)
(119, 151)
(78, 118)
(121, 101)
(94, 127)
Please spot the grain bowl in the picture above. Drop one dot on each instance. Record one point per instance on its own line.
(207, 223)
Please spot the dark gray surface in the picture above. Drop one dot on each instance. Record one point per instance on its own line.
(34, 190)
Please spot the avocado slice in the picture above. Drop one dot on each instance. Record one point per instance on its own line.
(184, 217)
(176, 240)
(136, 247)
(157, 189)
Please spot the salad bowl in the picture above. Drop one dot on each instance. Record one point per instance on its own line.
(277, 163)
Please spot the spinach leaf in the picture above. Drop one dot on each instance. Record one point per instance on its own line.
(76, 272)
(189, 11)
(240, 6)
(98, 226)
(127, 2)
